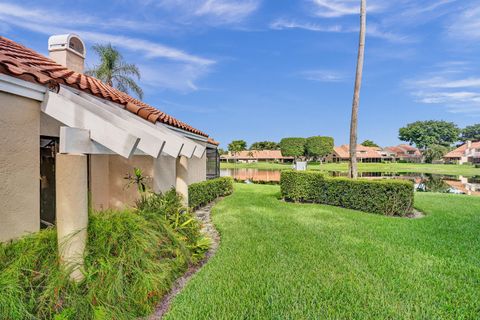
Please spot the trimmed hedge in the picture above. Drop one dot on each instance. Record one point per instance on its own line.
(201, 193)
(387, 197)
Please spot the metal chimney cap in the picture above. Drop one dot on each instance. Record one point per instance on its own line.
(70, 42)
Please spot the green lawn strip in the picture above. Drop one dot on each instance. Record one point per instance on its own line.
(447, 169)
(282, 260)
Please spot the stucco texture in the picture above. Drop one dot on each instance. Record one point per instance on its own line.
(19, 166)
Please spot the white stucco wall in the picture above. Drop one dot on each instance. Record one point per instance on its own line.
(164, 174)
(197, 168)
(19, 166)
(99, 182)
(121, 196)
(49, 126)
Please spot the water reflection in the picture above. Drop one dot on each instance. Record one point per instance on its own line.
(423, 182)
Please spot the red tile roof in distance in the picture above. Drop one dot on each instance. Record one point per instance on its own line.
(26, 64)
(460, 151)
(343, 151)
(257, 154)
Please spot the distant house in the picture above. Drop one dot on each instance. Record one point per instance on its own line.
(469, 152)
(364, 154)
(251, 156)
(406, 153)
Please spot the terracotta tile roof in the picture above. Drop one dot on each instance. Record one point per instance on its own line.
(460, 151)
(257, 154)
(343, 152)
(211, 141)
(26, 64)
(402, 151)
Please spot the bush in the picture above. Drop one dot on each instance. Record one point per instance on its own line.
(387, 197)
(202, 193)
(132, 259)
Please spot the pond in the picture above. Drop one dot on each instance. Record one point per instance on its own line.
(424, 182)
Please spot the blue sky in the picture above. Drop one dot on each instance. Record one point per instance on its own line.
(267, 69)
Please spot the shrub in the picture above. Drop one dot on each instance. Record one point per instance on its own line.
(387, 197)
(132, 258)
(201, 193)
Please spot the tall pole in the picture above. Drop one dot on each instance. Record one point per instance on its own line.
(353, 170)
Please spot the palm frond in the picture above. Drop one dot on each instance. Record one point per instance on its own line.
(114, 71)
(128, 83)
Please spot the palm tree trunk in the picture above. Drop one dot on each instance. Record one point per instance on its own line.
(353, 171)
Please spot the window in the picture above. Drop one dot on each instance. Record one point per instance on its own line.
(213, 163)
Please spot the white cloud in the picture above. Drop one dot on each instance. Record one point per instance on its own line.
(323, 75)
(373, 30)
(10, 11)
(186, 68)
(466, 25)
(173, 76)
(457, 91)
(340, 8)
(213, 11)
(281, 24)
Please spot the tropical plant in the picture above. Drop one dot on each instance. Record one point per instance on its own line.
(435, 152)
(427, 133)
(237, 146)
(471, 133)
(114, 71)
(353, 170)
(137, 179)
(264, 145)
(369, 143)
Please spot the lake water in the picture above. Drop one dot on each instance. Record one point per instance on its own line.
(423, 181)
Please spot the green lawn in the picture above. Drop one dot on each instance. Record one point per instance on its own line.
(449, 169)
(282, 260)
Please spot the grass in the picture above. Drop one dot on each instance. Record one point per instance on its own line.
(282, 260)
(447, 169)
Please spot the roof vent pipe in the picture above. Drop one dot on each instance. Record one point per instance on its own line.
(67, 50)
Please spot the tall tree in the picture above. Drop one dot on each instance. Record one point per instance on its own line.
(369, 143)
(293, 147)
(319, 147)
(428, 133)
(237, 146)
(264, 145)
(471, 133)
(353, 171)
(114, 71)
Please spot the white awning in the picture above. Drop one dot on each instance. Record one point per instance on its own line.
(114, 129)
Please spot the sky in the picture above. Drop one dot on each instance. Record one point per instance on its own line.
(267, 69)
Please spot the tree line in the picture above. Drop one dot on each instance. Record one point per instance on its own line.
(315, 147)
(436, 138)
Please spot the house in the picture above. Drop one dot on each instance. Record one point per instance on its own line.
(68, 139)
(250, 156)
(406, 153)
(364, 154)
(468, 152)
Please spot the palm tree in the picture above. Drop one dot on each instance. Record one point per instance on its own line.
(353, 171)
(114, 71)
